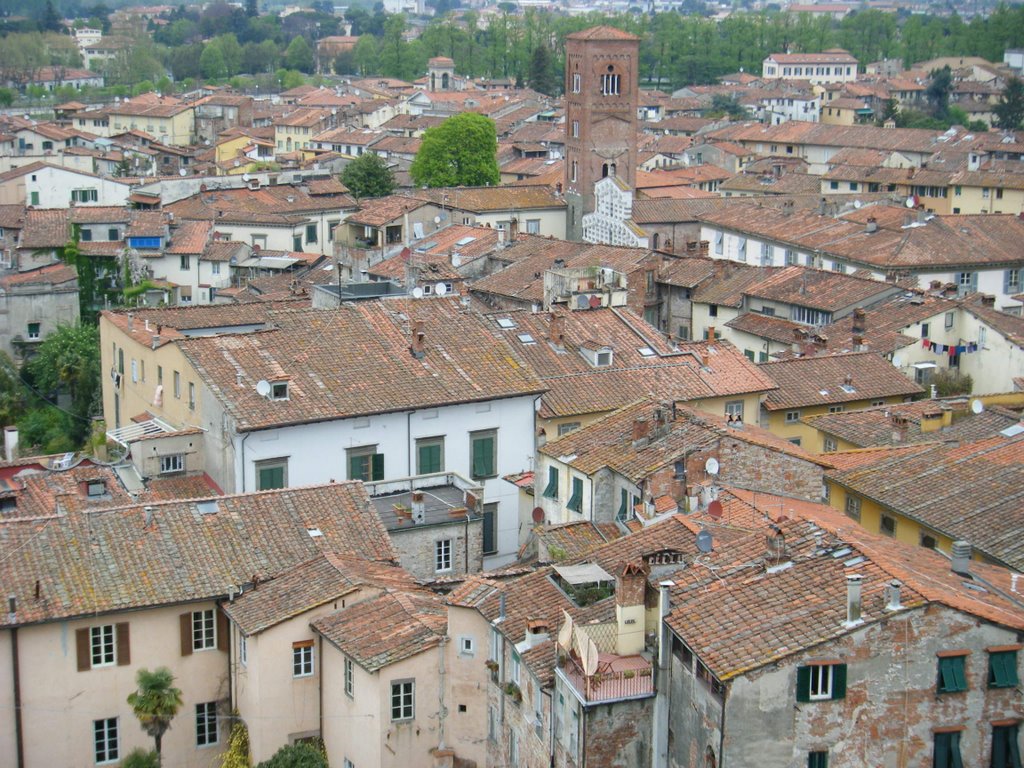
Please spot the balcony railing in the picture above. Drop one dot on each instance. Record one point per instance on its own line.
(618, 677)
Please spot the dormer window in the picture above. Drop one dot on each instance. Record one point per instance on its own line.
(95, 488)
(599, 356)
(604, 358)
(279, 390)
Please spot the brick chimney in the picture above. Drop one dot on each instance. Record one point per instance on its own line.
(859, 320)
(899, 427)
(418, 347)
(556, 330)
(711, 333)
(641, 430)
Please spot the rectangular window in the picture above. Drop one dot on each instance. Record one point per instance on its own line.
(967, 282)
(515, 667)
(576, 79)
(766, 255)
(792, 417)
(403, 700)
(887, 525)
(533, 226)
(575, 169)
(734, 409)
(830, 445)
(817, 759)
(272, 473)
(204, 630)
(349, 685)
(835, 409)
(513, 743)
(567, 427)
(575, 502)
(34, 331)
(719, 242)
(1002, 669)
(492, 724)
(490, 532)
(243, 649)
(105, 740)
(623, 513)
(185, 262)
(206, 724)
(429, 455)
(102, 645)
(853, 507)
(443, 555)
(482, 454)
(191, 396)
(85, 235)
(215, 267)
(1005, 746)
(1011, 281)
(302, 658)
(177, 385)
(175, 462)
(575, 129)
(311, 236)
(551, 489)
(947, 750)
(741, 249)
(952, 674)
(609, 85)
(365, 464)
(821, 682)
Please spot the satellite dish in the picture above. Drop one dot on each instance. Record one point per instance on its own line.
(456, 259)
(910, 202)
(440, 289)
(704, 541)
(417, 292)
(538, 515)
(437, 219)
(715, 509)
(711, 466)
(897, 361)
(246, 177)
(977, 406)
(857, 204)
(182, 172)
(263, 387)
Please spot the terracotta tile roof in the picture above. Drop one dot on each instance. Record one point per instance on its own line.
(225, 250)
(821, 134)
(179, 487)
(379, 632)
(687, 272)
(45, 228)
(1010, 327)
(190, 237)
(279, 203)
(12, 216)
(50, 275)
(572, 541)
(765, 326)
(642, 362)
(487, 199)
(803, 380)
(99, 214)
(819, 289)
(378, 211)
(731, 283)
(98, 562)
(972, 491)
(872, 427)
(608, 442)
(323, 579)
(41, 494)
(602, 33)
(19, 171)
(787, 184)
(737, 618)
(173, 320)
(330, 186)
(884, 323)
(148, 224)
(447, 240)
(464, 362)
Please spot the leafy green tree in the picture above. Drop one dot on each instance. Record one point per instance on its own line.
(12, 391)
(300, 755)
(51, 19)
(46, 429)
(69, 361)
(461, 151)
(6, 97)
(299, 56)
(155, 702)
(368, 176)
(889, 111)
(939, 88)
(260, 57)
(1010, 109)
(345, 63)
(543, 76)
(366, 55)
(290, 78)
(251, 8)
(211, 63)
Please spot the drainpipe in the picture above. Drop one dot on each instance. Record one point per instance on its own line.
(16, 678)
(659, 736)
(243, 459)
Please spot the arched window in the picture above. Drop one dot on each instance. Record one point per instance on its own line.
(444, 82)
(610, 82)
(604, 171)
(654, 241)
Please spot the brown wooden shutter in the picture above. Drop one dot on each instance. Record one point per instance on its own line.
(223, 631)
(124, 647)
(185, 621)
(82, 646)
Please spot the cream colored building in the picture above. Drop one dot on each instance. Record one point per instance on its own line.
(163, 118)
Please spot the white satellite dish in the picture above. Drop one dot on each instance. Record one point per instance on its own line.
(896, 361)
(246, 177)
(910, 202)
(712, 466)
(263, 387)
(857, 204)
(182, 172)
(440, 289)
(456, 259)
(977, 406)
(417, 292)
(437, 219)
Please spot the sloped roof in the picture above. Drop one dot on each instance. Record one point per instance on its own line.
(810, 381)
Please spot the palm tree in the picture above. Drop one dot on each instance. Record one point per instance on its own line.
(156, 702)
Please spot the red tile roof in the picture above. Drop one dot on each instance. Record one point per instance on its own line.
(811, 381)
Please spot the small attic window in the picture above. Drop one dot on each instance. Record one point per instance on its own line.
(314, 533)
(505, 322)
(526, 338)
(604, 358)
(207, 507)
(646, 352)
(848, 388)
(279, 390)
(95, 488)
(465, 240)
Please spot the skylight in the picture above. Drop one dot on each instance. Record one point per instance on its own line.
(465, 240)
(646, 352)
(314, 532)
(526, 338)
(505, 322)
(848, 388)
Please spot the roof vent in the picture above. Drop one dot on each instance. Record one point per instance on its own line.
(892, 592)
(853, 600)
(961, 558)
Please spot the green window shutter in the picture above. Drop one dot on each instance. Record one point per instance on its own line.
(1012, 747)
(999, 748)
(941, 757)
(357, 468)
(1002, 672)
(838, 681)
(377, 466)
(803, 684)
(623, 513)
(270, 478)
(483, 456)
(952, 676)
(429, 459)
(954, 751)
(576, 500)
(817, 759)
(551, 491)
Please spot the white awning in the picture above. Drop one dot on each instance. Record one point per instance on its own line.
(924, 366)
(135, 430)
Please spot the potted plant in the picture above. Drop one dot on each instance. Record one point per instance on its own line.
(513, 692)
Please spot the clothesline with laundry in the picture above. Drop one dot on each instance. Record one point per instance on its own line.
(950, 349)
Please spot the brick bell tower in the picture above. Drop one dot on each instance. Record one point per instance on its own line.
(601, 95)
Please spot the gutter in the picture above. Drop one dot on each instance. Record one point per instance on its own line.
(19, 738)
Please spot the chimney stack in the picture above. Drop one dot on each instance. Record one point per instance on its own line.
(10, 443)
(641, 431)
(155, 340)
(848, 380)
(871, 226)
(853, 599)
(893, 596)
(711, 333)
(418, 347)
(418, 507)
(537, 632)
(131, 322)
(961, 561)
(859, 320)
(556, 330)
(899, 427)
